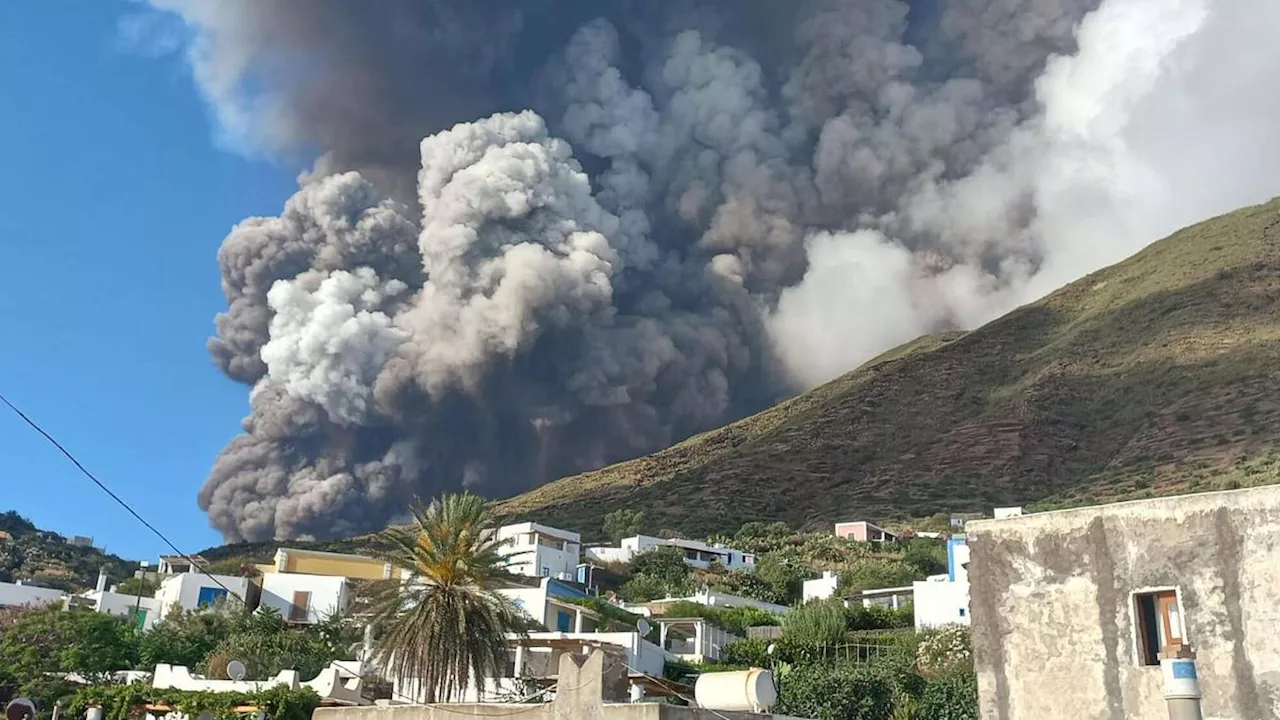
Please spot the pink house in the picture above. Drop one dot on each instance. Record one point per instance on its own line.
(863, 531)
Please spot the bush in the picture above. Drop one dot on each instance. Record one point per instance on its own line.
(873, 573)
(878, 617)
(785, 577)
(928, 557)
(623, 523)
(951, 697)
(642, 588)
(815, 623)
(945, 651)
(748, 652)
(757, 529)
(835, 692)
(749, 584)
(138, 587)
(666, 564)
(734, 620)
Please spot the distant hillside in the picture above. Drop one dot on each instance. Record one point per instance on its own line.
(1153, 376)
(45, 558)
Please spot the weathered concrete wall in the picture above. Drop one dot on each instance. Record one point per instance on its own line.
(1052, 608)
(580, 687)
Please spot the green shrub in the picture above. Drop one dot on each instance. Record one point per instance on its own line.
(642, 588)
(951, 697)
(815, 623)
(877, 617)
(750, 652)
(623, 523)
(835, 692)
(746, 583)
(734, 620)
(875, 573)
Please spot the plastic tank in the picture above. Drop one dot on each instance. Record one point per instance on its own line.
(741, 691)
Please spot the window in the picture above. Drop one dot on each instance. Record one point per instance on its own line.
(209, 596)
(961, 612)
(553, 543)
(301, 606)
(1159, 621)
(564, 621)
(546, 571)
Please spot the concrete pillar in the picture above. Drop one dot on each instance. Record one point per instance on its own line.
(697, 635)
(577, 621)
(519, 670)
(662, 636)
(1181, 684)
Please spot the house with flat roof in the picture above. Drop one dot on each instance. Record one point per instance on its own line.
(863, 531)
(537, 550)
(329, 564)
(1085, 613)
(696, 553)
(942, 600)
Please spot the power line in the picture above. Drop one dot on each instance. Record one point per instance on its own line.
(35, 426)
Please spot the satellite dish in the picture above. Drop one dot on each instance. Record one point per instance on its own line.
(20, 709)
(773, 647)
(643, 627)
(236, 670)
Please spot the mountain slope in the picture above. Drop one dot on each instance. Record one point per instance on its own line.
(1155, 375)
(44, 558)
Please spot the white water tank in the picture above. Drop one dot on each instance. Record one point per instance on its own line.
(740, 691)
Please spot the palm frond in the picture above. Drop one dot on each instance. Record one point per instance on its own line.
(444, 625)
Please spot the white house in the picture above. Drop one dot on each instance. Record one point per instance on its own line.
(17, 595)
(304, 599)
(549, 603)
(178, 564)
(538, 550)
(890, 597)
(820, 588)
(110, 602)
(191, 591)
(696, 553)
(704, 596)
(944, 599)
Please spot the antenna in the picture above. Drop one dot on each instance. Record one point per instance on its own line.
(236, 670)
(20, 709)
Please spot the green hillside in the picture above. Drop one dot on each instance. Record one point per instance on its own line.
(1153, 376)
(46, 558)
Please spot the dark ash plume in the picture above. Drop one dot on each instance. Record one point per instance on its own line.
(545, 235)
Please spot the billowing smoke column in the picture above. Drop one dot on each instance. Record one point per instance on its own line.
(545, 235)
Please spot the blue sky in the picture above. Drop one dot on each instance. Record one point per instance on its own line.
(115, 198)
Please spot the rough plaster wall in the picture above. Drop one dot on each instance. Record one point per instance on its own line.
(1051, 606)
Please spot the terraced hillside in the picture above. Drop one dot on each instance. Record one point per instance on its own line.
(1154, 376)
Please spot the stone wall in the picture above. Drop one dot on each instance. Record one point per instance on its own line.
(1052, 607)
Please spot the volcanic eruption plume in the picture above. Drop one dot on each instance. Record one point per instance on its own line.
(545, 235)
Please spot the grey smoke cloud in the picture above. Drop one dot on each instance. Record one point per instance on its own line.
(543, 236)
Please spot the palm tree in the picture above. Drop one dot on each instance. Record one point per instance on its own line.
(444, 625)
